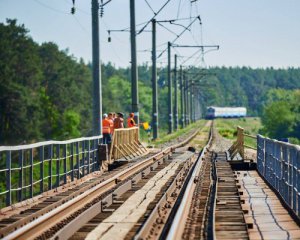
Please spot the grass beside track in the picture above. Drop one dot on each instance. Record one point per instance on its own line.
(228, 128)
(164, 137)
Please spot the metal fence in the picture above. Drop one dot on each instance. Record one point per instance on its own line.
(28, 170)
(279, 163)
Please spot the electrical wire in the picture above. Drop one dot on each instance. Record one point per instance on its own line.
(193, 55)
(178, 36)
(178, 10)
(51, 8)
(149, 6)
(169, 30)
(165, 4)
(80, 25)
(112, 46)
(171, 21)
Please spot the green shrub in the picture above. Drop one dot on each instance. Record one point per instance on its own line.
(227, 133)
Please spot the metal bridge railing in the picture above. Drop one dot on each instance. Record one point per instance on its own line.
(29, 170)
(279, 163)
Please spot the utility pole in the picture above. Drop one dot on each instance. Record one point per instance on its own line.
(196, 107)
(191, 101)
(154, 83)
(184, 97)
(134, 73)
(186, 113)
(181, 98)
(170, 90)
(175, 92)
(97, 92)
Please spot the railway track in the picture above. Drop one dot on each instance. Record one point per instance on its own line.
(211, 206)
(83, 202)
(54, 200)
(174, 194)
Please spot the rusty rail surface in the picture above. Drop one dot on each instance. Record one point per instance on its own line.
(38, 226)
(180, 218)
(157, 221)
(210, 203)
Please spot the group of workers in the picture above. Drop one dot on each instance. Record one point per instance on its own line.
(113, 121)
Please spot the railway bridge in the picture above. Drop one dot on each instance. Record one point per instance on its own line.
(198, 186)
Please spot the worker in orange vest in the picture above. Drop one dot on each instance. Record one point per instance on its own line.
(106, 132)
(111, 121)
(130, 121)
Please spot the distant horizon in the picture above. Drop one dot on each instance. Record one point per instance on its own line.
(67, 49)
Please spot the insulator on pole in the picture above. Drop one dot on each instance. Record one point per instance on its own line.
(73, 8)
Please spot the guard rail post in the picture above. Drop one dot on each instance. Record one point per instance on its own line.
(65, 162)
(50, 155)
(8, 178)
(41, 156)
(31, 173)
(20, 194)
(72, 161)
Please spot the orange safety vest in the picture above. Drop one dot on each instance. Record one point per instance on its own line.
(106, 126)
(130, 122)
(111, 125)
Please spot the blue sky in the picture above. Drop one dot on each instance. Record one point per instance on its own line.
(257, 33)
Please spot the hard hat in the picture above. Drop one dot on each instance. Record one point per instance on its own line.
(104, 115)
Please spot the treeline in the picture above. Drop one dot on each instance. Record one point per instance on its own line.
(46, 93)
(281, 114)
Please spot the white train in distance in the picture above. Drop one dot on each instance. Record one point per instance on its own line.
(225, 112)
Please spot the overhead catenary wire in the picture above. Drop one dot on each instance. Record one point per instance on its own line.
(80, 25)
(178, 10)
(169, 30)
(149, 6)
(51, 8)
(198, 17)
(193, 55)
(114, 50)
(165, 4)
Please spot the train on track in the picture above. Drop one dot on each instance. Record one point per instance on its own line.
(225, 112)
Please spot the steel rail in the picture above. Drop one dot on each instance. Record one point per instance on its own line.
(180, 218)
(38, 226)
(210, 227)
(167, 202)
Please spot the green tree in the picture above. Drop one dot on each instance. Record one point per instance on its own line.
(20, 79)
(278, 120)
(281, 115)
